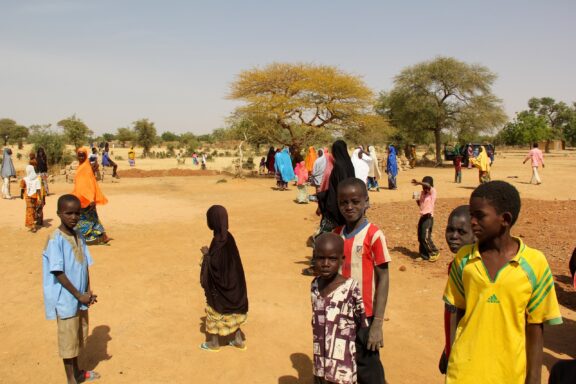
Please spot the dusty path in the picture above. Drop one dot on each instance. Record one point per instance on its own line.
(146, 325)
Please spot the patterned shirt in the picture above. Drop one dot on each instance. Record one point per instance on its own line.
(490, 341)
(363, 249)
(335, 320)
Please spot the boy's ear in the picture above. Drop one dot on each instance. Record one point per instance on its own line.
(507, 217)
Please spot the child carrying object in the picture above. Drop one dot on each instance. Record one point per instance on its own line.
(426, 202)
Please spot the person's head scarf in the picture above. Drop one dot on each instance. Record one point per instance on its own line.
(327, 172)
(33, 183)
(283, 165)
(482, 160)
(86, 188)
(311, 158)
(374, 169)
(392, 163)
(7, 164)
(301, 172)
(217, 218)
(270, 159)
(222, 274)
(342, 160)
(41, 160)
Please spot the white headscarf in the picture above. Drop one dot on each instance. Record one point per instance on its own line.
(374, 168)
(33, 182)
(361, 165)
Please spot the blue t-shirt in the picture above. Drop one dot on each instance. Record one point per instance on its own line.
(105, 158)
(63, 254)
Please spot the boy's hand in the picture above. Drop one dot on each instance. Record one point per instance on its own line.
(85, 298)
(204, 250)
(375, 338)
(93, 298)
(415, 182)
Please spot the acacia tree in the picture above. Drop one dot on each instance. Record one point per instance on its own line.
(11, 132)
(295, 100)
(443, 94)
(75, 130)
(125, 134)
(145, 135)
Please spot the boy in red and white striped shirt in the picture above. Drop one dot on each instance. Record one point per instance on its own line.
(366, 260)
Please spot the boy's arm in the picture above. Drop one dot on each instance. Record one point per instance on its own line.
(375, 337)
(84, 298)
(534, 348)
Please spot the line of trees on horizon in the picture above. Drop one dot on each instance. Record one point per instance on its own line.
(438, 101)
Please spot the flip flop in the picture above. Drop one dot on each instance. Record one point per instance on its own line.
(204, 346)
(88, 376)
(233, 344)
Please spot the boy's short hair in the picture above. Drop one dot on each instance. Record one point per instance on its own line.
(353, 182)
(428, 180)
(503, 196)
(65, 199)
(330, 237)
(535, 145)
(461, 211)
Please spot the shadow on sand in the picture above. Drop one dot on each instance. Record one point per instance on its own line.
(303, 366)
(96, 349)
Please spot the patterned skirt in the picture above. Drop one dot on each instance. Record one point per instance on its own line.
(223, 325)
(89, 225)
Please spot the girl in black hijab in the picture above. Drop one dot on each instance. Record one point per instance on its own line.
(222, 278)
(42, 167)
(328, 200)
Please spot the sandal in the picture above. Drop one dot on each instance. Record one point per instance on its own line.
(242, 347)
(87, 376)
(204, 346)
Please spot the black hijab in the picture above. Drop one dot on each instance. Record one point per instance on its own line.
(270, 159)
(343, 169)
(222, 275)
(41, 161)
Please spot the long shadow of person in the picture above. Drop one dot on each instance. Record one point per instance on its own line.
(96, 349)
(303, 365)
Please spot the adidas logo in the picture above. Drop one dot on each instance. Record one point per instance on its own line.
(493, 299)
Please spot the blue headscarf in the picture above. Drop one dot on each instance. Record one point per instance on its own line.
(283, 164)
(391, 164)
(7, 164)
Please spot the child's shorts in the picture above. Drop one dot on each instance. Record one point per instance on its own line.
(72, 334)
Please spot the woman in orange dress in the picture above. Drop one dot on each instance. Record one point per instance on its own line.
(87, 190)
(31, 191)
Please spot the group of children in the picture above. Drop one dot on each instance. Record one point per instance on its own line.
(499, 293)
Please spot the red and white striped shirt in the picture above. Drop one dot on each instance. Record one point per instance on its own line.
(363, 249)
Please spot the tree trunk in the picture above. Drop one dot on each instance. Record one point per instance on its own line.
(437, 139)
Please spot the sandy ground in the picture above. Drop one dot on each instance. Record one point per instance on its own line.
(146, 326)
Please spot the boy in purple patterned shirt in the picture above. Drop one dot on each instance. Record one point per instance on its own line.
(338, 312)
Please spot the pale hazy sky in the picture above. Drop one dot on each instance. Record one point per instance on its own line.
(113, 62)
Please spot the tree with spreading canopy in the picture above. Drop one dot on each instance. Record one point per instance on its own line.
(526, 128)
(145, 135)
(169, 136)
(54, 143)
(289, 103)
(12, 133)
(75, 131)
(124, 135)
(443, 94)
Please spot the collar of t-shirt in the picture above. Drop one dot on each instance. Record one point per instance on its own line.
(361, 226)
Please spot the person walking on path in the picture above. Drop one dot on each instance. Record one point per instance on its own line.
(536, 159)
(8, 171)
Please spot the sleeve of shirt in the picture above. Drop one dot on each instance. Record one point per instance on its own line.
(543, 304)
(379, 249)
(433, 194)
(54, 255)
(454, 291)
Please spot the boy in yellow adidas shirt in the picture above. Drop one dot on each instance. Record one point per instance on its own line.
(505, 291)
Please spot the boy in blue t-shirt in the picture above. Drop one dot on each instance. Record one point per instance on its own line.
(66, 284)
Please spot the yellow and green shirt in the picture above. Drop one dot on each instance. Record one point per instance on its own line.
(490, 345)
